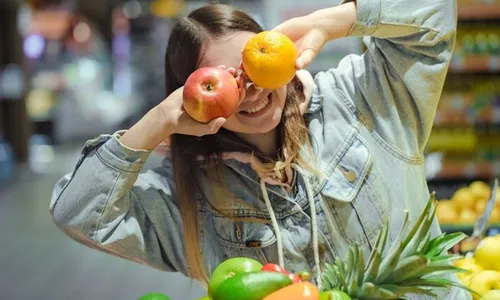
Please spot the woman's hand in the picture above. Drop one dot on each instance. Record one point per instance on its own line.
(170, 117)
(311, 32)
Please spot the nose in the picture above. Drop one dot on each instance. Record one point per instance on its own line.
(252, 93)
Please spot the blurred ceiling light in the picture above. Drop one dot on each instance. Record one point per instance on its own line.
(132, 9)
(82, 32)
(88, 69)
(33, 46)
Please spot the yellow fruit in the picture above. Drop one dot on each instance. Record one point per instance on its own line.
(269, 59)
(492, 295)
(487, 253)
(469, 264)
(464, 261)
(464, 198)
(480, 206)
(467, 216)
(495, 216)
(446, 212)
(484, 282)
(480, 190)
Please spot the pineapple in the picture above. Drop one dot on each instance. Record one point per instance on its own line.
(411, 266)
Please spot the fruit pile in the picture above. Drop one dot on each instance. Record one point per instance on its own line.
(466, 204)
(247, 279)
(483, 269)
(412, 263)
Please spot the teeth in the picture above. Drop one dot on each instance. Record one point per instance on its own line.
(258, 108)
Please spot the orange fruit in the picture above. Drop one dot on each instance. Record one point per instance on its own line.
(269, 59)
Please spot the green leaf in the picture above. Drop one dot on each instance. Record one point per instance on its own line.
(445, 242)
(420, 220)
(446, 257)
(407, 268)
(361, 265)
(421, 233)
(329, 278)
(389, 263)
(349, 267)
(377, 293)
(372, 270)
(400, 291)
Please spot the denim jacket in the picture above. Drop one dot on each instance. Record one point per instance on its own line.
(369, 120)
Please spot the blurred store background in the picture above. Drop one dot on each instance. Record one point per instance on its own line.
(72, 69)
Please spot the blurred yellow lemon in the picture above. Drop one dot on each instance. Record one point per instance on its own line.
(484, 282)
(487, 253)
(464, 198)
(446, 212)
(481, 190)
(492, 295)
(467, 216)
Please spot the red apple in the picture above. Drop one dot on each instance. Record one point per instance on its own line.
(210, 93)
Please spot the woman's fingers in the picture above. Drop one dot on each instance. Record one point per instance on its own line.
(310, 45)
(230, 69)
(192, 127)
(294, 28)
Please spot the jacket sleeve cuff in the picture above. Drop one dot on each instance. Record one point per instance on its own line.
(120, 157)
(368, 17)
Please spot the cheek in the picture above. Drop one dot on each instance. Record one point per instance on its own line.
(281, 95)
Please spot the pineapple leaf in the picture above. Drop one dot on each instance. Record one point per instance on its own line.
(447, 257)
(420, 220)
(329, 278)
(349, 268)
(375, 258)
(394, 255)
(372, 270)
(440, 283)
(353, 279)
(443, 243)
(430, 244)
(431, 271)
(408, 268)
(389, 263)
(400, 291)
(421, 233)
(361, 265)
(370, 291)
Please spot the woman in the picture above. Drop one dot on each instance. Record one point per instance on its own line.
(296, 175)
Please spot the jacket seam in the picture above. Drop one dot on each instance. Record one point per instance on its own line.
(424, 28)
(113, 166)
(99, 221)
(416, 160)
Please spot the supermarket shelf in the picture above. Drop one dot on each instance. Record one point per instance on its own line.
(467, 170)
(476, 64)
(493, 229)
(474, 11)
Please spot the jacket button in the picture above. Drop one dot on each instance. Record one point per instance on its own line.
(350, 176)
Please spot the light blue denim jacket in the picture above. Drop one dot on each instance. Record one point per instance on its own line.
(369, 121)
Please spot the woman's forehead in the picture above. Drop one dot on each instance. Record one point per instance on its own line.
(225, 50)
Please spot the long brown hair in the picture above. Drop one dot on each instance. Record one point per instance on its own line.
(184, 50)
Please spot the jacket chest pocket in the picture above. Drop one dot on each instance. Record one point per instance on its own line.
(356, 194)
(254, 239)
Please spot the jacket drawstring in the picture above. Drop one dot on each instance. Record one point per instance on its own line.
(314, 223)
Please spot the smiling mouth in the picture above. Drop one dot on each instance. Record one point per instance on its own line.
(259, 107)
